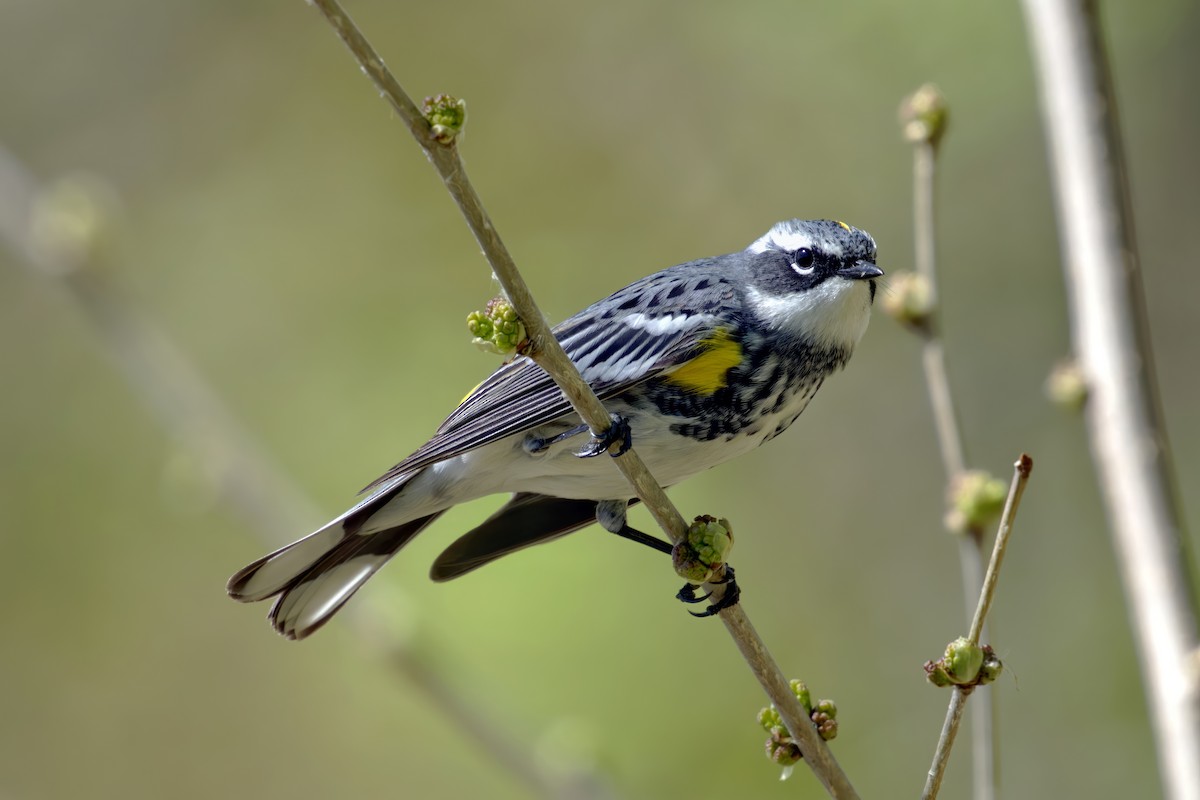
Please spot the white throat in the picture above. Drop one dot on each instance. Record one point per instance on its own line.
(833, 314)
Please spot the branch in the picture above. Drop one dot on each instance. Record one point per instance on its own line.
(188, 409)
(924, 118)
(549, 355)
(544, 348)
(1124, 418)
(1021, 470)
(958, 700)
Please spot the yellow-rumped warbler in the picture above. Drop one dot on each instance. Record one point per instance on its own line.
(701, 362)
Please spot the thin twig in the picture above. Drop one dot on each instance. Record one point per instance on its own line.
(549, 355)
(958, 700)
(1021, 469)
(1110, 335)
(941, 757)
(945, 415)
(248, 482)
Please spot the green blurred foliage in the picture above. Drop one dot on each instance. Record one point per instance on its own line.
(279, 224)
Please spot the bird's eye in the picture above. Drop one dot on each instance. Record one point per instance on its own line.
(803, 261)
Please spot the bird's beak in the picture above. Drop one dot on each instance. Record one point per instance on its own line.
(860, 271)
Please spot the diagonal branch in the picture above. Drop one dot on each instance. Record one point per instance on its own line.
(958, 700)
(544, 349)
(549, 355)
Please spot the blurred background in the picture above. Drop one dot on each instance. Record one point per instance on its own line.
(280, 227)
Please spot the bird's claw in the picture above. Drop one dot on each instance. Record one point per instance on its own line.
(688, 594)
(729, 598)
(617, 434)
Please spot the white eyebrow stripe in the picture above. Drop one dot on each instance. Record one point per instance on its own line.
(788, 240)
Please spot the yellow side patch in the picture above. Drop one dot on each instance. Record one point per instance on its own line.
(709, 371)
(844, 225)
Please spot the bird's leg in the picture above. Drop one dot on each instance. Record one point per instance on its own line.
(618, 432)
(536, 444)
(634, 535)
(611, 516)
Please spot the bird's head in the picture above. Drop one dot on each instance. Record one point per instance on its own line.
(814, 279)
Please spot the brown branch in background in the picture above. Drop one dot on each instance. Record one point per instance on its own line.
(546, 351)
(958, 699)
(54, 232)
(923, 116)
(1112, 344)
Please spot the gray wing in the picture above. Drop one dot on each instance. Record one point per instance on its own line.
(634, 335)
(525, 520)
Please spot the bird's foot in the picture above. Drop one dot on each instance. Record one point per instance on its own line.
(617, 435)
(731, 593)
(699, 556)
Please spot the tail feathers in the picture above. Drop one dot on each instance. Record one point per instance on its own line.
(315, 576)
(273, 573)
(276, 571)
(527, 519)
(315, 595)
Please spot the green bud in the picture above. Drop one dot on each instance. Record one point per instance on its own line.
(1066, 387)
(827, 726)
(769, 718)
(923, 115)
(688, 565)
(802, 694)
(703, 548)
(781, 749)
(479, 325)
(991, 668)
(908, 299)
(963, 661)
(824, 716)
(496, 329)
(964, 664)
(446, 116)
(711, 538)
(935, 673)
(976, 498)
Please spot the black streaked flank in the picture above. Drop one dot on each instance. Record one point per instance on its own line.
(796, 369)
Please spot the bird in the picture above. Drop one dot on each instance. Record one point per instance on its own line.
(698, 363)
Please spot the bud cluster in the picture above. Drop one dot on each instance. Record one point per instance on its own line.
(964, 664)
(496, 329)
(703, 549)
(781, 748)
